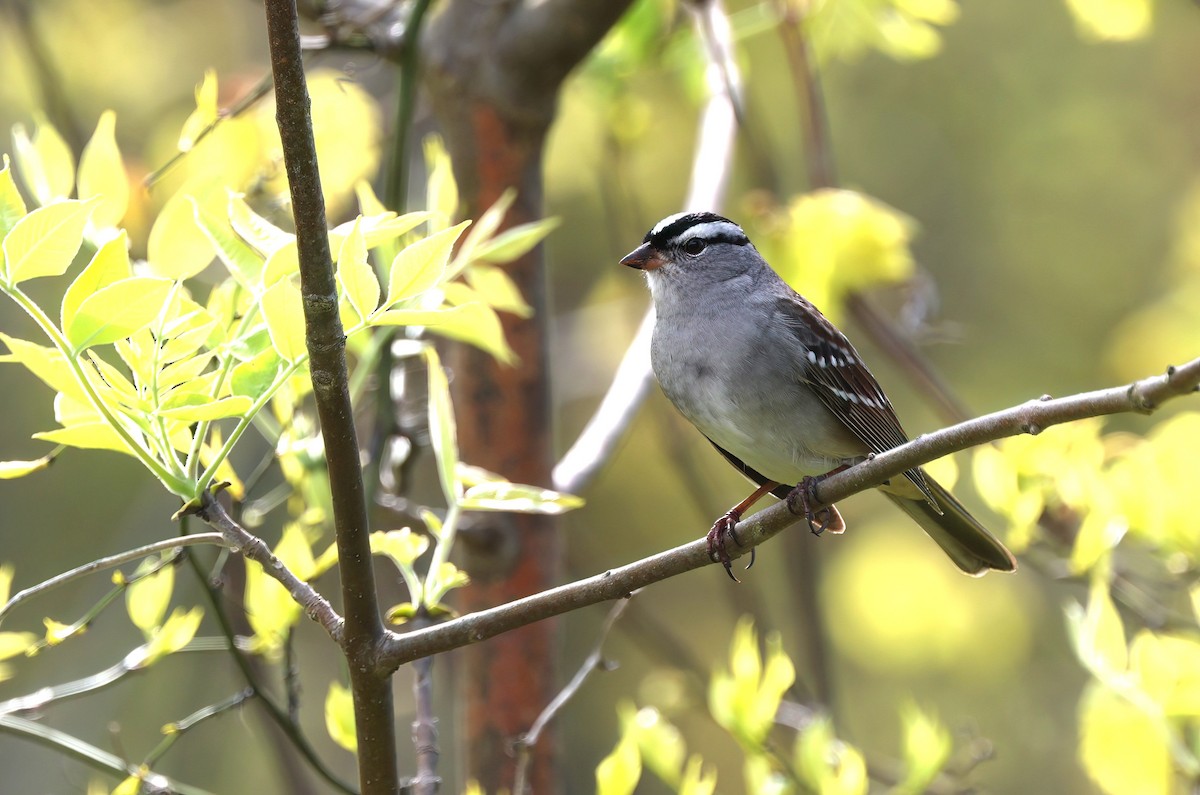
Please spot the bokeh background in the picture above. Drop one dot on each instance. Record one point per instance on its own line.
(1055, 182)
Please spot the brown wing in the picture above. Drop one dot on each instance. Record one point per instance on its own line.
(842, 382)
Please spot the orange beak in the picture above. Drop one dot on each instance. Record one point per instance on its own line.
(644, 258)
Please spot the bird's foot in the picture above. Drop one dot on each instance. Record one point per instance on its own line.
(800, 501)
(726, 525)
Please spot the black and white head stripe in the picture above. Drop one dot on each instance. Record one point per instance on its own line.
(709, 227)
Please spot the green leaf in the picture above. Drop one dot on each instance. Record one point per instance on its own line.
(178, 248)
(443, 432)
(474, 323)
(339, 717)
(282, 308)
(378, 226)
(192, 407)
(254, 377)
(10, 470)
(1167, 667)
(149, 595)
(283, 262)
(12, 206)
(109, 264)
(118, 310)
(355, 274)
(45, 241)
(422, 265)
(102, 173)
(515, 242)
(46, 164)
(205, 114)
(270, 608)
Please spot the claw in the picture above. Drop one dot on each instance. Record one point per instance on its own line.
(716, 541)
(827, 518)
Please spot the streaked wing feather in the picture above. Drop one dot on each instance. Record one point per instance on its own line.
(843, 384)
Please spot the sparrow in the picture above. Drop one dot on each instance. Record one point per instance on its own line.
(776, 388)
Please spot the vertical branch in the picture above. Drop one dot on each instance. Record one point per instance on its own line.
(326, 344)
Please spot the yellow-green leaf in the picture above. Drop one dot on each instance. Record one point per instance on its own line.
(421, 265)
(254, 377)
(10, 470)
(927, 746)
(12, 206)
(241, 260)
(474, 323)
(15, 643)
(205, 114)
(403, 546)
(515, 242)
(443, 431)
(178, 248)
(6, 578)
(192, 407)
(46, 164)
(131, 785)
(45, 241)
(109, 264)
(282, 309)
(1124, 750)
(355, 274)
(102, 173)
(1112, 20)
(497, 288)
(619, 772)
(1098, 633)
(518, 498)
(252, 228)
(47, 364)
(173, 635)
(486, 225)
(86, 436)
(57, 632)
(149, 595)
(339, 717)
(118, 310)
(441, 191)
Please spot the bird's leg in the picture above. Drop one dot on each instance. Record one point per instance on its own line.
(727, 523)
(799, 502)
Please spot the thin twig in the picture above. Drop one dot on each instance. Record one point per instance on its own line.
(1032, 417)
(711, 166)
(315, 605)
(593, 661)
(110, 562)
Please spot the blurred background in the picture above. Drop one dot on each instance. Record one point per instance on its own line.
(1053, 182)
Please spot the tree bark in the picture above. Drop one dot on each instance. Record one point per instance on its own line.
(493, 72)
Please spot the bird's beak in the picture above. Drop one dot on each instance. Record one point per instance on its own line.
(644, 258)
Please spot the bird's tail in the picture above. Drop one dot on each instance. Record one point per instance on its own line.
(968, 543)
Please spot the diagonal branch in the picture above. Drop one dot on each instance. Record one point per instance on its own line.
(1032, 417)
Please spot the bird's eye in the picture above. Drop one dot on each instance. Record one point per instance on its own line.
(694, 246)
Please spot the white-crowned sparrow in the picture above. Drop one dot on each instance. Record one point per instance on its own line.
(777, 389)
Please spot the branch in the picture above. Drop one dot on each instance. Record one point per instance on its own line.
(315, 605)
(1033, 417)
(326, 344)
(711, 166)
(110, 562)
